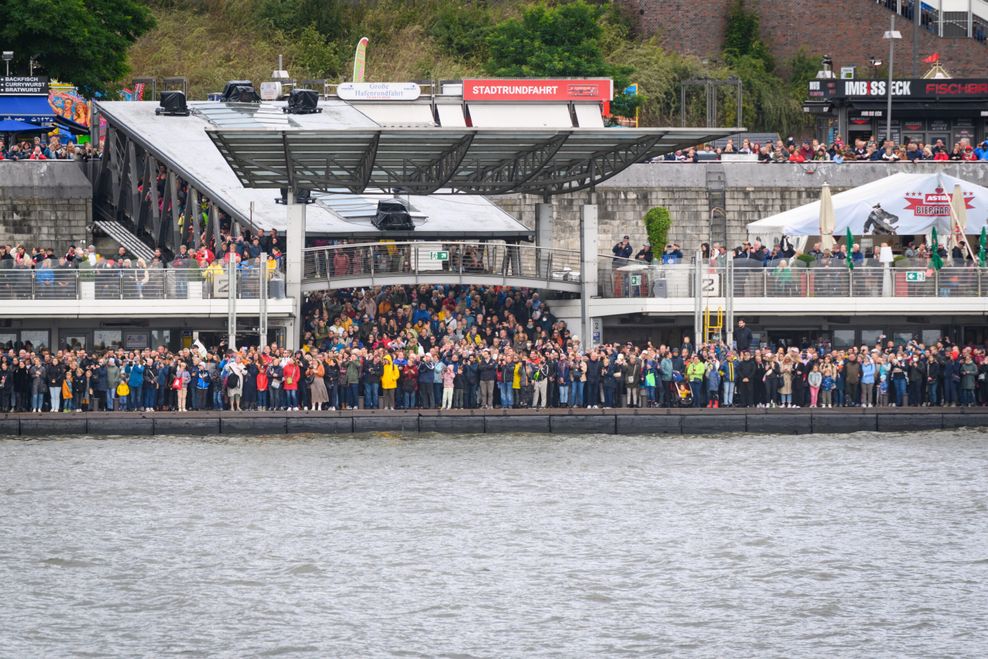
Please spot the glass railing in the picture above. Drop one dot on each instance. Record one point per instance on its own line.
(136, 284)
(393, 262)
(626, 279)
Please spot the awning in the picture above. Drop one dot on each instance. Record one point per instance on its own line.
(32, 109)
(451, 116)
(398, 114)
(588, 115)
(520, 115)
(901, 204)
(14, 126)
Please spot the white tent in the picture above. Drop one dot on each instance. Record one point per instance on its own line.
(901, 204)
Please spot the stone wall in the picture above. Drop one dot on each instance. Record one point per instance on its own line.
(44, 204)
(752, 191)
(697, 28)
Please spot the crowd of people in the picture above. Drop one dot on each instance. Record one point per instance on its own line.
(838, 151)
(469, 347)
(243, 250)
(755, 254)
(54, 148)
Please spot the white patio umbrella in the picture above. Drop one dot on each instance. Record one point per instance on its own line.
(959, 223)
(828, 220)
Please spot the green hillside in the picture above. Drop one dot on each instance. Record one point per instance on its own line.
(212, 41)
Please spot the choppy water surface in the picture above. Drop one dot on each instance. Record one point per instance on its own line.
(864, 545)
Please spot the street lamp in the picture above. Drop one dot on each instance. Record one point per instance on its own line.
(7, 56)
(892, 34)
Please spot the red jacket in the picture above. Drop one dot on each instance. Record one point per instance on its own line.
(292, 373)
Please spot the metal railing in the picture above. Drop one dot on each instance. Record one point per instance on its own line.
(134, 284)
(629, 279)
(387, 263)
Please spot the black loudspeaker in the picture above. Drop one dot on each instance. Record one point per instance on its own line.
(240, 91)
(172, 104)
(303, 101)
(392, 216)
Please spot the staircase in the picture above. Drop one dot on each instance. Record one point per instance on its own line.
(124, 237)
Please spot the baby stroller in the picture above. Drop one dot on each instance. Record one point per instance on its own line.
(683, 391)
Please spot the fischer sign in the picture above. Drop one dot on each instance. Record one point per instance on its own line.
(591, 89)
(918, 88)
(379, 91)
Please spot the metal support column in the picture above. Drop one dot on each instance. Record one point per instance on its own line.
(729, 302)
(262, 300)
(698, 300)
(589, 247)
(293, 270)
(543, 235)
(231, 305)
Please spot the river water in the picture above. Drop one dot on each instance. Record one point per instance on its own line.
(862, 545)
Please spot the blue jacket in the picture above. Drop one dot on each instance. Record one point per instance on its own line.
(135, 376)
(868, 373)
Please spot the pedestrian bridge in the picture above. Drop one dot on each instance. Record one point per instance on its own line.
(413, 263)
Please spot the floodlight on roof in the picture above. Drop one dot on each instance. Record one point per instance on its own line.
(172, 104)
(240, 91)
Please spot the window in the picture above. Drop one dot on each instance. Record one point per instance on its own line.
(37, 338)
(161, 338)
(75, 341)
(931, 336)
(7, 340)
(843, 338)
(107, 339)
(902, 338)
(871, 337)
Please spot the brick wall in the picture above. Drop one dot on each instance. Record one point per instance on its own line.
(44, 204)
(848, 30)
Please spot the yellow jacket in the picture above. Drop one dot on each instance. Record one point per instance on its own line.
(389, 379)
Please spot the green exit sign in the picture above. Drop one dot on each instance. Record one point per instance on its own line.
(439, 256)
(636, 280)
(915, 275)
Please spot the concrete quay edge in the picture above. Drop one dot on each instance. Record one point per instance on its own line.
(462, 422)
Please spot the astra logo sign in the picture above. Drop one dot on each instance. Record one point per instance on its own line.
(877, 87)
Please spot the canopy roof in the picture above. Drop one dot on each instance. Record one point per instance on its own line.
(454, 160)
(901, 204)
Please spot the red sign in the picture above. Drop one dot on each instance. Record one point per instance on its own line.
(934, 205)
(591, 89)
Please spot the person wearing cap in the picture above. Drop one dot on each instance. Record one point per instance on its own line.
(622, 250)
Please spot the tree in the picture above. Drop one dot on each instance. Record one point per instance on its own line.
(83, 42)
(657, 224)
(549, 41)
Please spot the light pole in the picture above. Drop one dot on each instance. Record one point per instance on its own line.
(7, 56)
(891, 35)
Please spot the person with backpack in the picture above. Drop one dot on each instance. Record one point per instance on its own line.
(235, 383)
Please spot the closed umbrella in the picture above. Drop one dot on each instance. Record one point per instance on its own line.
(828, 219)
(959, 216)
(850, 245)
(983, 247)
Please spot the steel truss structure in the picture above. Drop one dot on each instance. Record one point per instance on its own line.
(444, 160)
(154, 196)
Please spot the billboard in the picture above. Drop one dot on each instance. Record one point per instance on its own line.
(24, 86)
(563, 89)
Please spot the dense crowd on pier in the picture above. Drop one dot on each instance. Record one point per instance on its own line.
(838, 151)
(455, 347)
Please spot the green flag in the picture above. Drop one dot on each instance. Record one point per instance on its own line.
(850, 246)
(935, 258)
(983, 247)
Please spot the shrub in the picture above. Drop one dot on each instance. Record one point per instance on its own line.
(657, 224)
